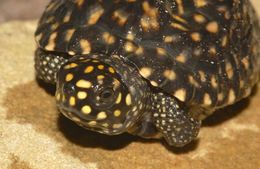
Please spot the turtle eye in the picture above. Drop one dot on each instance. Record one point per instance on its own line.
(106, 95)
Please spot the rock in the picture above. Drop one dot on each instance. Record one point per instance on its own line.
(34, 134)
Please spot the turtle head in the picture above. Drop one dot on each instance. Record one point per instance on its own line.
(98, 94)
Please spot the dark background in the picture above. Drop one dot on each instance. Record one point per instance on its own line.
(21, 9)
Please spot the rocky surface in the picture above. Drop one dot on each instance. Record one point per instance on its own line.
(34, 135)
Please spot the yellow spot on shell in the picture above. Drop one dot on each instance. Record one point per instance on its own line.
(180, 94)
(168, 39)
(86, 109)
(154, 83)
(161, 51)
(70, 66)
(89, 69)
(79, 2)
(69, 34)
(85, 46)
(128, 100)
(200, 3)
(82, 95)
(84, 84)
(196, 37)
(145, 72)
(199, 18)
(72, 101)
(179, 26)
(69, 77)
(102, 115)
(51, 43)
(181, 58)
(94, 17)
(169, 74)
(108, 38)
(129, 47)
(231, 96)
(105, 124)
(207, 100)
(212, 27)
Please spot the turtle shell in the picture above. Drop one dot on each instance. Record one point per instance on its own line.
(203, 52)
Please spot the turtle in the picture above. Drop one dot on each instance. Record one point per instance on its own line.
(151, 68)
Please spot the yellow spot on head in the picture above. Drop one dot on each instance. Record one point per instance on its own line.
(89, 69)
(102, 115)
(100, 77)
(58, 97)
(92, 123)
(86, 109)
(101, 67)
(84, 84)
(72, 101)
(117, 113)
(82, 95)
(69, 77)
(116, 126)
(111, 70)
(119, 97)
(128, 100)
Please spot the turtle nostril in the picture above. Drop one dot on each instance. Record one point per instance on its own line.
(69, 88)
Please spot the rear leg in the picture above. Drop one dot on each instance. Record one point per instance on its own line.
(47, 64)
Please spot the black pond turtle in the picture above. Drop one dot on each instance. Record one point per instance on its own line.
(152, 68)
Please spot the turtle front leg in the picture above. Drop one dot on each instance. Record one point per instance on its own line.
(176, 126)
(47, 64)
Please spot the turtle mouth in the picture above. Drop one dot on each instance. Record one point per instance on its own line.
(91, 123)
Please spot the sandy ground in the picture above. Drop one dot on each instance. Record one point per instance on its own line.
(34, 135)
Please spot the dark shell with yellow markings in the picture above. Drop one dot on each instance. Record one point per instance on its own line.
(203, 52)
